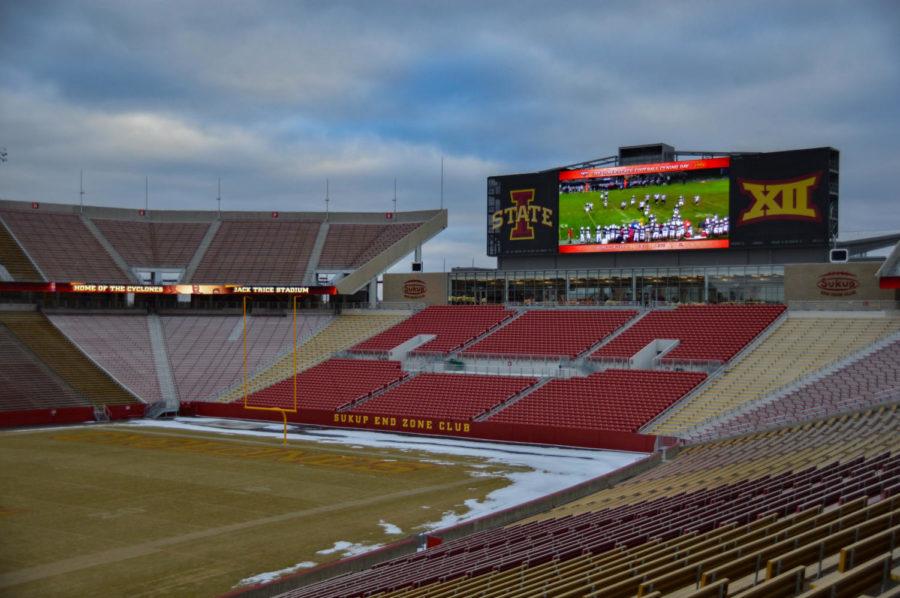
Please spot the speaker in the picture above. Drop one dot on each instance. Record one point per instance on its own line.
(838, 256)
(417, 266)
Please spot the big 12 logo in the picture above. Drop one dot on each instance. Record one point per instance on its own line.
(780, 200)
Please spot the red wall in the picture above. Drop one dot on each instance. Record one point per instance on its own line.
(66, 415)
(623, 441)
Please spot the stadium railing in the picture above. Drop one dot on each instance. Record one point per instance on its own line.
(508, 365)
(849, 305)
(706, 365)
(413, 306)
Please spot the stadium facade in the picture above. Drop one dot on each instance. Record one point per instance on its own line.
(654, 225)
(688, 306)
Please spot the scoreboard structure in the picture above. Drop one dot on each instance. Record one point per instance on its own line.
(655, 200)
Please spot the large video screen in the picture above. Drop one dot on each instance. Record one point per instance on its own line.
(645, 207)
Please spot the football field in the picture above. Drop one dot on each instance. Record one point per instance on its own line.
(118, 510)
(572, 215)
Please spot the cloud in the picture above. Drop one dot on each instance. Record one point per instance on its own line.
(275, 97)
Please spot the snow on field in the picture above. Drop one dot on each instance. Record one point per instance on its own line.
(390, 528)
(349, 548)
(549, 468)
(273, 575)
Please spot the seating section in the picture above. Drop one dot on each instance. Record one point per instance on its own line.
(257, 252)
(446, 396)
(799, 347)
(157, 244)
(120, 344)
(63, 247)
(872, 380)
(14, 260)
(618, 400)
(49, 345)
(453, 326)
(337, 335)
(352, 245)
(781, 508)
(207, 352)
(551, 333)
(330, 385)
(706, 332)
(26, 383)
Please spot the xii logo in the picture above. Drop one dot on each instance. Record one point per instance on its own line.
(781, 200)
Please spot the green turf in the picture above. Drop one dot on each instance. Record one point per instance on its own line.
(714, 194)
(125, 511)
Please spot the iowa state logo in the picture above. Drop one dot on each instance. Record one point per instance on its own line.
(521, 216)
(780, 200)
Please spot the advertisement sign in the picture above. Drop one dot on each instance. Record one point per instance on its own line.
(167, 289)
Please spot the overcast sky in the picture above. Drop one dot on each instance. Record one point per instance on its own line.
(275, 97)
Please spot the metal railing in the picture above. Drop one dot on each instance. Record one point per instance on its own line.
(675, 363)
(842, 305)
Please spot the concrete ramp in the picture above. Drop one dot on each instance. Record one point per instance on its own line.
(161, 362)
(400, 352)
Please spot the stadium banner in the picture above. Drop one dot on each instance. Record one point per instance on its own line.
(665, 206)
(522, 214)
(573, 436)
(168, 289)
(780, 199)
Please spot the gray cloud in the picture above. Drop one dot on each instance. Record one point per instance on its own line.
(274, 97)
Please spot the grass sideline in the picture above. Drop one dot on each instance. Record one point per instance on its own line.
(116, 510)
(714, 200)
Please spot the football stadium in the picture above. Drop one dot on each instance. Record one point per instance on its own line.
(351, 299)
(678, 381)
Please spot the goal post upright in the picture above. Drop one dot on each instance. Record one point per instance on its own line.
(246, 386)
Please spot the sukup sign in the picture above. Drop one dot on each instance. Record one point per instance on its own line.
(782, 198)
(414, 288)
(522, 214)
(838, 284)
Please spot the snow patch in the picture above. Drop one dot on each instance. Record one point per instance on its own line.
(273, 575)
(390, 528)
(349, 548)
(550, 469)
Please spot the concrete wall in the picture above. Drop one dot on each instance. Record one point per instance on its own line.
(431, 288)
(835, 283)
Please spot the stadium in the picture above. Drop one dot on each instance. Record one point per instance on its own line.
(678, 380)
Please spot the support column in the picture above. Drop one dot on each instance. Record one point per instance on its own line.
(373, 293)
